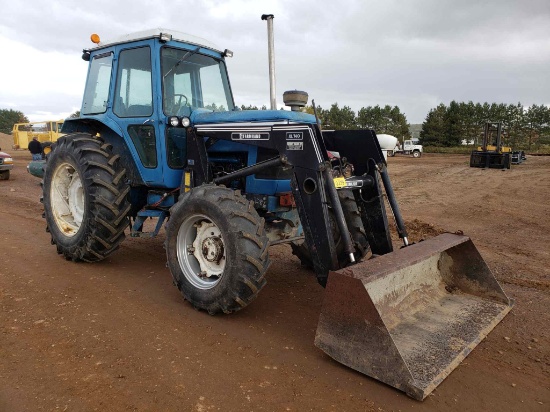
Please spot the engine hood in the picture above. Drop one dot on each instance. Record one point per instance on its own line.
(250, 116)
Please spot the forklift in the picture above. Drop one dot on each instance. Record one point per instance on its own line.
(492, 154)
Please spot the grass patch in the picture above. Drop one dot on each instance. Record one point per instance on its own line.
(540, 150)
(449, 150)
(543, 149)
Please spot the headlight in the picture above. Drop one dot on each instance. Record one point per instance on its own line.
(185, 121)
(8, 160)
(174, 121)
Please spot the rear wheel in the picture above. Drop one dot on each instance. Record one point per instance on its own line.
(355, 227)
(217, 249)
(85, 198)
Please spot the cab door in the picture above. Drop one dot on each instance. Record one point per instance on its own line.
(134, 107)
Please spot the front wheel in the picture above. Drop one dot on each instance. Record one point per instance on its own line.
(416, 153)
(217, 249)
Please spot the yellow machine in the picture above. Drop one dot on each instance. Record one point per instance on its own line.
(492, 154)
(46, 131)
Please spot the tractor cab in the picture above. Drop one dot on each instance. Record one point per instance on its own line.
(142, 86)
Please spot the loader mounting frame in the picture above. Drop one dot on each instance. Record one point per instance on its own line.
(311, 182)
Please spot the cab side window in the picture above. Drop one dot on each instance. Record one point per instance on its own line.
(134, 94)
(96, 94)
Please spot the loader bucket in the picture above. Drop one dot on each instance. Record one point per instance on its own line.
(408, 318)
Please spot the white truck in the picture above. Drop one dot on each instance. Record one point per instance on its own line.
(410, 147)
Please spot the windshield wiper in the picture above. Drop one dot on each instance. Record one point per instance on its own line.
(185, 56)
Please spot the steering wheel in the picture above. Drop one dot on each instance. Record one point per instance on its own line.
(172, 107)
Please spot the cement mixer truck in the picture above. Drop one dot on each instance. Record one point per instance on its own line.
(387, 143)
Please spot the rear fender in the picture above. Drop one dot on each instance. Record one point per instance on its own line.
(111, 133)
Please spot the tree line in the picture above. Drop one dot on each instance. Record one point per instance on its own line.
(445, 125)
(384, 120)
(525, 127)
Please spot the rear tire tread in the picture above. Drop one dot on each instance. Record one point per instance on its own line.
(106, 206)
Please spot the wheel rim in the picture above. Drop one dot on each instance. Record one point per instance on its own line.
(67, 199)
(201, 251)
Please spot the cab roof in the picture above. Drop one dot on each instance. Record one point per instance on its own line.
(156, 33)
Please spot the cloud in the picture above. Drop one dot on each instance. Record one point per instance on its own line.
(43, 85)
(357, 53)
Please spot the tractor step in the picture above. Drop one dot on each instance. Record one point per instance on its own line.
(142, 216)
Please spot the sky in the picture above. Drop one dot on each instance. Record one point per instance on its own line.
(413, 54)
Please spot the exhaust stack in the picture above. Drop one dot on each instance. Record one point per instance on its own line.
(271, 57)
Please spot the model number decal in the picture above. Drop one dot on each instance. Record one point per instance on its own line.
(294, 145)
(294, 136)
(249, 136)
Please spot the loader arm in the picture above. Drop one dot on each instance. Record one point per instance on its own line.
(362, 149)
(312, 185)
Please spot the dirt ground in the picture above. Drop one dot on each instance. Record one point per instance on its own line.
(117, 336)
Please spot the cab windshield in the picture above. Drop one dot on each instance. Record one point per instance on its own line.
(192, 80)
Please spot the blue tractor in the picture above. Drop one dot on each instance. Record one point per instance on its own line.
(158, 125)
(159, 137)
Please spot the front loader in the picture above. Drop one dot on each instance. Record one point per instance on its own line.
(159, 137)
